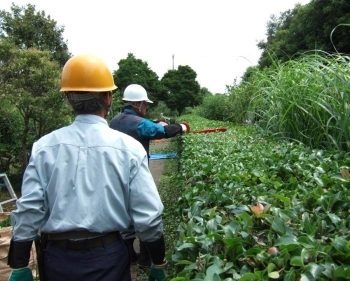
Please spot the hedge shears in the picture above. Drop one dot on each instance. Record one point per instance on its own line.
(210, 130)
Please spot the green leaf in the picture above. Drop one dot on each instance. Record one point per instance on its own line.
(334, 218)
(307, 242)
(274, 275)
(307, 276)
(319, 181)
(290, 276)
(215, 277)
(214, 269)
(271, 267)
(293, 180)
(228, 266)
(315, 269)
(320, 169)
(307, 225)
(190, 225)
(185, 246)
(212, 212)
(284, 199)
(286, 240)
(278, 225)
(212, 224)
(341, 272)
(339, 243)
(296, 261)
(196, 208)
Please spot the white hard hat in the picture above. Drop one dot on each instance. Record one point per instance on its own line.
(135, 92)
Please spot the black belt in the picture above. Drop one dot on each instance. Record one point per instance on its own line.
(100, 241)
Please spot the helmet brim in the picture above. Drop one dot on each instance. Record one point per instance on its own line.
(128, 100)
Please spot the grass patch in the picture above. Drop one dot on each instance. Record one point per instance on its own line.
(170, 192)
(5, 222)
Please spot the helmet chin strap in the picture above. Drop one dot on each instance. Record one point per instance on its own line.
(139, 108)
(107, 110)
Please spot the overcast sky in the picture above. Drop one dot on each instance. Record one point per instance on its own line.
(217, 39)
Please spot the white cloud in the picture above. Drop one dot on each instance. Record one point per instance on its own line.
(217, 39)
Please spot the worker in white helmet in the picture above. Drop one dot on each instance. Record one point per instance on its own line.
(132, 122)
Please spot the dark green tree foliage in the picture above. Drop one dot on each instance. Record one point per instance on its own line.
(135, 71)
(279, 46)
(333, 12)
(205, 92)
(27, 28)
(307, 28)
(180, 88)
(31, 102)
(9, 136)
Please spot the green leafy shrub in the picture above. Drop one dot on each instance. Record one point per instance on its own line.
(5, 222)
(155, 112)
(215, 107)
(259, 209)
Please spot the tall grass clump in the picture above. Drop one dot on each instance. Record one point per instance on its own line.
(306, 100)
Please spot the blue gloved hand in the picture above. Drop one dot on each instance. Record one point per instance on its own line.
(156, 273)
(21, 274)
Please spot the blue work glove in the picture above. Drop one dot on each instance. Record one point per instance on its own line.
(21, 274)
(157, 273)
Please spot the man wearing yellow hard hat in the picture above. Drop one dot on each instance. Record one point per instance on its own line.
(84, 183)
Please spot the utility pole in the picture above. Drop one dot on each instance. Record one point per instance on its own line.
(173, 61)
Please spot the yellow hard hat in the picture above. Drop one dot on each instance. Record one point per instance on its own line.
(86, 73)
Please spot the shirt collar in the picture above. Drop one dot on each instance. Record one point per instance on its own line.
(90, 118)
(129, 111)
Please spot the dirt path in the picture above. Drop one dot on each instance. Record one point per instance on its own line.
(157, 166)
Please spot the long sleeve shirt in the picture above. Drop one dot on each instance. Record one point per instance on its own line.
(143, 129)
(87, 176)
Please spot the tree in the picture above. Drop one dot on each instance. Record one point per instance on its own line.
(205, 92)
(10, 147)
(29, 93)
(276, 47)
(28, 29)
(180, 88)
(307, 28)
(135, 71)
(330, 13)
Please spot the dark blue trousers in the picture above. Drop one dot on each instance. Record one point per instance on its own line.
(109, 263)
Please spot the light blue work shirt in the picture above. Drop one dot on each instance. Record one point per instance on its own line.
(87, 176)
